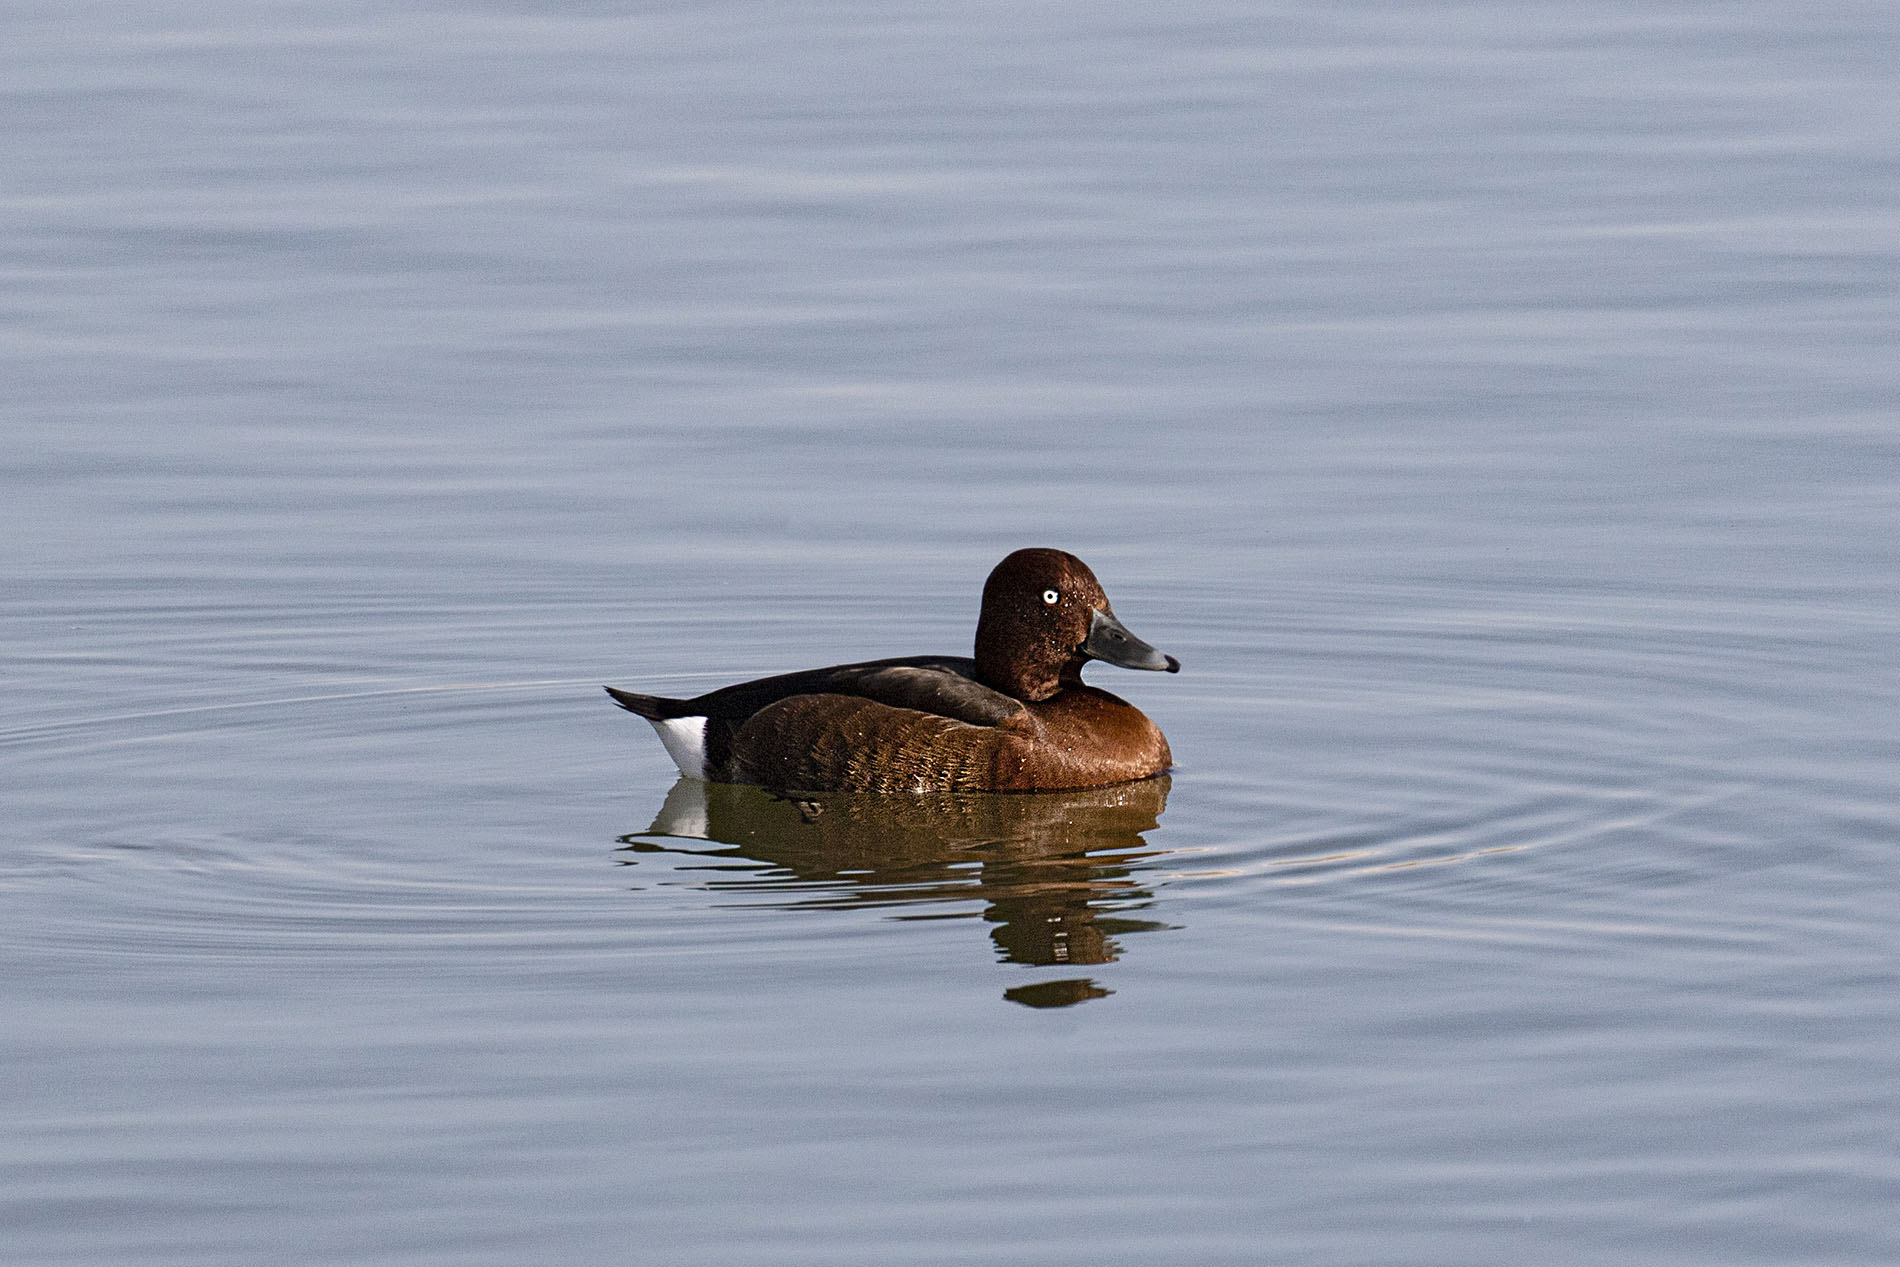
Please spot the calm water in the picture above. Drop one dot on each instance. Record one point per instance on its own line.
(1492, 405)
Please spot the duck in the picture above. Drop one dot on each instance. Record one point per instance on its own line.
(1014, 717)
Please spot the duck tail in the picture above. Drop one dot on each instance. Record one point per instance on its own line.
(651, 707)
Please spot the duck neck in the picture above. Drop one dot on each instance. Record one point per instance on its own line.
(1024, 676)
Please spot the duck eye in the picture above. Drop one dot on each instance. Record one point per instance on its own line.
(1050, 596)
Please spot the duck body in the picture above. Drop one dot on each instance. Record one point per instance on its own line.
(1016, 717)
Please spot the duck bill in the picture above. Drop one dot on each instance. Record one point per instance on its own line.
(1110, 641)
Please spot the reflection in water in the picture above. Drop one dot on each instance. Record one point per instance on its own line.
(1056, 993)
(1054, 871)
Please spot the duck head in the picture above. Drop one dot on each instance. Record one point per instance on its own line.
(1044, 617)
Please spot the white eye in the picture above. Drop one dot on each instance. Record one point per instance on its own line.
(1050, 596)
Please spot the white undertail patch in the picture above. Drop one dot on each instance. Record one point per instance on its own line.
(685, 740)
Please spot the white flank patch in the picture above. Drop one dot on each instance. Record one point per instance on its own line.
(685, 740)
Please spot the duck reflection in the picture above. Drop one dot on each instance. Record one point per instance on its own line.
(1057, 873)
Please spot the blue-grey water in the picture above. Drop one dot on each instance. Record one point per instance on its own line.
(1493, 405)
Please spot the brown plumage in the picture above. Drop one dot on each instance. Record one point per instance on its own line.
(1016, 718)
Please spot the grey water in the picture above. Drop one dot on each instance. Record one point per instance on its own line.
(1492, 405)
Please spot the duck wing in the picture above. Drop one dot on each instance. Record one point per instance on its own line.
(932, 687)
(945, 686)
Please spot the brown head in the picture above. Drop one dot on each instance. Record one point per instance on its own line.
(1044, 617)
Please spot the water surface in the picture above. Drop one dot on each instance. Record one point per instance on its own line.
(1491, 406)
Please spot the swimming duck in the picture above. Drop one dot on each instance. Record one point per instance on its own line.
(1015, 718)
